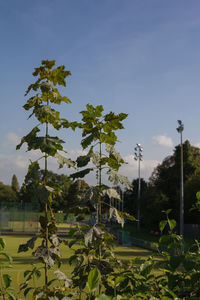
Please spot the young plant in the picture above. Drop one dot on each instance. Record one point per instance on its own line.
(45, 96)
(6, 292)
(98, 131)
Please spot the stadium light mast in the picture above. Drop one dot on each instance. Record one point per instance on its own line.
(138, 156)
(180, 130)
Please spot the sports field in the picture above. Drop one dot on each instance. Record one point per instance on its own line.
(24, 261)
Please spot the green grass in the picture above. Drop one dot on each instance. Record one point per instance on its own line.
(22, 261)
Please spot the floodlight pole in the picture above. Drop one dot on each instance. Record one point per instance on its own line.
(180, 130)
(138, 156)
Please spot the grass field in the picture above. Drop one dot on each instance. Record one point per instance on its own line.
(23, 261)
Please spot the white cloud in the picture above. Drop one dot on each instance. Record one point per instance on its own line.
(197, 145)
(131, 169)
(18, 164)
(11, 140)
(163, 140)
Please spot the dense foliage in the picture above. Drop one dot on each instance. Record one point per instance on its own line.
(163, 190)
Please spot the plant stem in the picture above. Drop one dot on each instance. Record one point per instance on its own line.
(100, 171)
(46, 206)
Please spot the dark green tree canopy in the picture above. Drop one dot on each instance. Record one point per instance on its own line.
(7, 194)
(164, 185)
(32, 190)
(15, 184)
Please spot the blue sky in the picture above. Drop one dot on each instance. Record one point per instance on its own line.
(133, 56)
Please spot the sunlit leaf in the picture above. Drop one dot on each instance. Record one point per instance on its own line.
(94, 278)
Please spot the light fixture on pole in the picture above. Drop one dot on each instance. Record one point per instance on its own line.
(138, 157)
(180, 130)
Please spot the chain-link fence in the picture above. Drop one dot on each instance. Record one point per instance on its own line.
(24, 218)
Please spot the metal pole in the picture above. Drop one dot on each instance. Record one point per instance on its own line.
(139, 188)
(181, 194)
(138, 156)
(180, 130)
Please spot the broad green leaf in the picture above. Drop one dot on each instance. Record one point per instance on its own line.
(88, 140)
(46, 254)
(82, 161)
(146, 268)
(121, 297)
(95, 157)
(198, 196)
(112, 193)
(33, 101)
(111, 150)
(162, 225)
(81, 174)
(127, 216)
(64, 161)
(115, 214)
(172, 224)
(92, 194)
(45, 114)
(94, 278)
(29, 244)
(102, 297)
(7, 280)
(115, 178)
(88, 237)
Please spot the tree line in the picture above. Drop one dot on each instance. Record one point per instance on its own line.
(161, 192)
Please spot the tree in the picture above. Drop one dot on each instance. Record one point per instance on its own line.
(98, 132)
(45, 95)
(15, 184)
(131, 196)
(31, 188)
(7, 194)
(165, 181)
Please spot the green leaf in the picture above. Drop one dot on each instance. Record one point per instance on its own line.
(198, 196)
(29, 244)
(162, 225)
(112, 193)
(96, 159)
(26, 291)
(146, 268)
(81, 174)
(115, 178)
(115, 214)
(82, 161)
(172, 224)
(88, 140)
(11, 296)
(94, 278)
(71, 243)
(2, 243)
(175, 261)
(64, 161)
(7, 280)
(102, 297)
(7, 256)
(46, 254)
(27, 272)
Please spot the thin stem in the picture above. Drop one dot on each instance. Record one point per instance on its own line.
(46, 206)
(100, 183)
